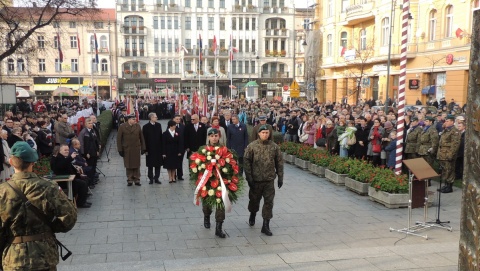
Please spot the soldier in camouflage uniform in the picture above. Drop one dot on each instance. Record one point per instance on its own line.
(263, 163)
(447, 152)
(213, 140)
(428, 141)
(30, 243)
(411, 142)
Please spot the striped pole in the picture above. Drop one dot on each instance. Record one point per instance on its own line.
(401, 88)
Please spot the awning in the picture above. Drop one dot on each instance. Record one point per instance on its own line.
(63, 91)
(23, 93)
(428, 90)
(251, 84)
(85, 91)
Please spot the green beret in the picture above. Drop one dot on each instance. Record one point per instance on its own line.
(429, 118)
(450, 117)
(213, 131)
(23, 151)
(263, 128)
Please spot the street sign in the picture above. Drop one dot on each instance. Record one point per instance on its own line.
(294, 89)
(311, 86)
(114, 87)
(285, 88)
(366, 82)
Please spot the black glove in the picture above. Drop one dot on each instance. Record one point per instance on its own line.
(280, 183)
(142, 152)
(121, 153)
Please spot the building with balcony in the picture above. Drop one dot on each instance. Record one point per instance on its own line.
(356, 45)
(169, 45)
(39, 68)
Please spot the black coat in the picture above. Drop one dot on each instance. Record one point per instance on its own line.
(361, 135)
(171, 147)
(195, 139)
(89, 142)
(223, 123)
(237, 138)
(44, 138)
(152, 133)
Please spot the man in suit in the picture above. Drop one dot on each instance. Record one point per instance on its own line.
(195, 135)
(237, 139)
(152, 133)
(181, 130)
(226, 120)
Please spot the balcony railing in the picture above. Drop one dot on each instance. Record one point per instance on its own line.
(275, 74)
(248, 8)
(275, 53)
(135, 74)
(276, 32)
(134, 30)
(281, 10)
(360, 12)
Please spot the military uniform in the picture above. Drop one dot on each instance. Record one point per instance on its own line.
(411, 143)
(428, 144)
(121, 119)
(130, 143)
(263, 162)
(255, 132)
(447, 152)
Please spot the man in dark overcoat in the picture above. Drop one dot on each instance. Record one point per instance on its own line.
(195, 135)
(181, 132)
(130, 144)
(237, 139)
(152, 133)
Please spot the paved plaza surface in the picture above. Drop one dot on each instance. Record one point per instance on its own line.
(316, 226)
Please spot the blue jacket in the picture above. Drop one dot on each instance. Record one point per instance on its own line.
(390, 149)
(237, 138)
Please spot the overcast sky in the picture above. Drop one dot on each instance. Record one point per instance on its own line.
(111, 3)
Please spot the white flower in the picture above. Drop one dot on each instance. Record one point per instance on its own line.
(197, 161)
(208, 153)
(203, 166)
(211, 192)
(227, 160)
(199, 168)
(217, 156)
(219, 188)
(225, 170)
(217, 147)
(204, 151)
(204, 188)
(194, 170)
(219, 200)
(209, 157)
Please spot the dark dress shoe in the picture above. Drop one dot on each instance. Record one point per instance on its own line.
(84, 206)
(138, 184)
(157, 181)
(150, 182)
(129, 184)
(180, 179)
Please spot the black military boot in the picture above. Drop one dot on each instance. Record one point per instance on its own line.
(266, 227)
(447, 188)
(206, 222)
(218, 230)
(251, 220)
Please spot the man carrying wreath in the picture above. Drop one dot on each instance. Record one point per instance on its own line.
(263, 163)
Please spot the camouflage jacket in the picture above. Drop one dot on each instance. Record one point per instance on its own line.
(449, 144)
(428, 139)
(18, 220)
(263, 161)
(411, 144)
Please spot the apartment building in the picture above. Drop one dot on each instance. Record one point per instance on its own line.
(42, 70)
(169, 45)
(357, 45)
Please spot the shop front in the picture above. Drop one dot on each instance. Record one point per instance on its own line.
(103, 85)
(45, 87)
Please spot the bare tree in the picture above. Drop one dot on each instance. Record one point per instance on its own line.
(18, 25)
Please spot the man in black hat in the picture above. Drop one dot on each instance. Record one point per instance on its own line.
(447, 153)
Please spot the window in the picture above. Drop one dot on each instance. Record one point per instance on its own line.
(188, 23)
(234, 23)
(329, 45)
(11, 65)
(94, 65)
(56, 25)
(254, 47)
(199, 3)
(72, 24)
(343, 39)
(73, 42)
(155, 22)
(163, 66)
(210, 4)
(169, 22)
(432, 25)
(41, 65)
(247, 46)
(188, 43)
(175, 22)
(58, 65)
(240, 23)
(156, 66)
(155, 45)
(247, 24)
(254, 23)
(187, 3)
(188, 65)
(104, 65)
(170, 66)
(55, 42)
(385, 31)
(252, 67)
(330, 8)
(104, 43)
(41, 42)
(199, 23)
(74, 65)
(222, 23)
(20, 65)
(169, 44)
(222, 3)
(162, 45)
(162, 22)
(210, 23)
(449, 22)
(98, 25)
(345, 4)
(177, 66)
(363, 39)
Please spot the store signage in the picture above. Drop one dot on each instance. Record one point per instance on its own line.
(157, 80)
(413, 84)
(449, 59)
(57, 80)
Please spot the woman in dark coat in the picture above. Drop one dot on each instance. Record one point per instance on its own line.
(44, 139)
(152, 133)
(172, 147)
(361, 135)
(331, 137)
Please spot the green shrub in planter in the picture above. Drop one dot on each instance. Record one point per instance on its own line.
(339, 165)
(290, 148)
(305, 152)
(320, 158)
(386, 180)
(362, 171)
(106, 125)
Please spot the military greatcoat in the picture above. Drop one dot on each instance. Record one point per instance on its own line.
(130, 141)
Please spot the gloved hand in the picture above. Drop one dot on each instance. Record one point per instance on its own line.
(142, 152)
(280, 183)
(430, 150)
(122, 153)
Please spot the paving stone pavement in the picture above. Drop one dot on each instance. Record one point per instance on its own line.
(316, 226)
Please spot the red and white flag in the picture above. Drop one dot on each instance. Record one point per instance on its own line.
(214, 45)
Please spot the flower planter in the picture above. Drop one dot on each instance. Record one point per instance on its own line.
(284, 156)
(319, 171)
(301, 163)
(338, 179)
(312, 168)
(391, 201)
(356, 186)
(290, 159)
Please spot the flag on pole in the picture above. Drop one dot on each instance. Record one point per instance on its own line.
(96, 47)
(195, 102)
(78, 43)
(60, 53)
(231, 53)
(129, 105)
(214, 46)
(137, 115)
(184, 49)
(200, 46)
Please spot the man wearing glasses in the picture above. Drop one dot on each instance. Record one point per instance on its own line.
(8, 126)
(195, 135)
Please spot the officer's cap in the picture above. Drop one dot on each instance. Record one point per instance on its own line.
(450, 117)
(429, 118)
(414, 119)
(262, 118)
(23, 151)
(213, 131)
(262, 128)
(130, 116)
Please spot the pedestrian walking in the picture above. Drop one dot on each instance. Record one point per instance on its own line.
(152, 134)
(263, 163)
(130, 145)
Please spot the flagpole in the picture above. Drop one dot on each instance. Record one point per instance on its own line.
(199, 62)
(230, 59)
(78, 62)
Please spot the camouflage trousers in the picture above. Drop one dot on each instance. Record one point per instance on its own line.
(219, 213)
(429, 159)
(448, 170)
(265, 190)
